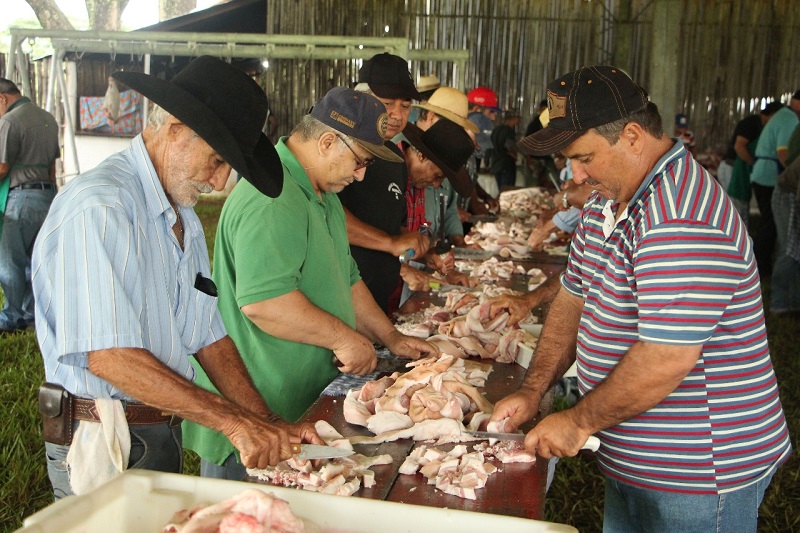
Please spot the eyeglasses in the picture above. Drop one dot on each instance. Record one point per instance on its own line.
(360, 163)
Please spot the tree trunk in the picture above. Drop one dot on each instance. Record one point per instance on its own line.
(49, 15)
(105, 15)
(168, 9)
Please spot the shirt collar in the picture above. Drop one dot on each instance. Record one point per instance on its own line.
(677, 151)
(22, 101)
(294, 170)
(155, 196)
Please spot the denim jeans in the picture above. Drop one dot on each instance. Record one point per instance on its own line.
(631, 509)
(230, 469)
(25, 213)
(785, 292)
(505, 178)
(153, 447)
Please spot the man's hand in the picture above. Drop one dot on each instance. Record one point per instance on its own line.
(409, 347)
(556, 436)
(518, 407)
(410, 241)
(540, 234)
(356, 353)
(262, 444)
(443, 263)
(518, 307)
(459, 278)
(417, 279)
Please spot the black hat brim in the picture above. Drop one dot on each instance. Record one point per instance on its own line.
(262, 168)
(547, 141)
(459, 178)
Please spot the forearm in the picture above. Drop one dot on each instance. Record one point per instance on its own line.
(224, 367)
(646, 375)
(740, 146)
(360, 233)
(371, 321)
(4, 168)
(782, 154)
(140, 375)
(555, 350)
(295, 318)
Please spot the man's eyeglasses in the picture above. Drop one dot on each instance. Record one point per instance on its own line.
(360, 163)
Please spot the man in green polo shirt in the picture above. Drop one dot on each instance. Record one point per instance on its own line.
(289, 291)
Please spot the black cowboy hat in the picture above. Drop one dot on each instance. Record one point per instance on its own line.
(226, 108)
(449, 147)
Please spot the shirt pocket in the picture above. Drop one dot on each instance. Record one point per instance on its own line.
(195, 319)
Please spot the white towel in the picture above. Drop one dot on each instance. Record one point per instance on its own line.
(99, 451)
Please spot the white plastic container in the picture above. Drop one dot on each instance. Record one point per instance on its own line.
(141, 501)
(527, 347)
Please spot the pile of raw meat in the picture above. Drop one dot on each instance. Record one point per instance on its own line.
(501, 238)
(459, 472)
(429, 401)
(464, 327)
(342, 476)
(524, 203)
(249, 511)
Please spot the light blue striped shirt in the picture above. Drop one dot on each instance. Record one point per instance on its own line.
(108, 273)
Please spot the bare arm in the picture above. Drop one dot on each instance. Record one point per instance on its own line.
(782, 153)
(140, 375)
(4, 168)
(555, 352)
(373, 322)
(294, 318)
(646, 375)
(359, 233)
(224, 367)
(520, 306)
(740, 146)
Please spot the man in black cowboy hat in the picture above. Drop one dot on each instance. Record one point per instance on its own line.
(290, 292)
(376, 207)
(433, 155)
(123, 295)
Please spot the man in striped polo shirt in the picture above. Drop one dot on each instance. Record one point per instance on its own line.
(661, 306)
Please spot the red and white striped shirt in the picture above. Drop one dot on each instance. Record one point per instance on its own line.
(678, 268)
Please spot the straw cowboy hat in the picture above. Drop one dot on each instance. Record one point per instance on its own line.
(451, 104)
(226, 108)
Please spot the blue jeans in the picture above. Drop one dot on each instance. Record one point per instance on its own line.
(506, 178)
(785, 292)
(25, 213)
(230, 469)
(630, 509)
(153, 447)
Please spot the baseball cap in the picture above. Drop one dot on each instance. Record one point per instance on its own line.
(581, 100)
(681, 120)
(360, 116)
(388, 77)
(484, 97)
(449, 147)
(451, 104)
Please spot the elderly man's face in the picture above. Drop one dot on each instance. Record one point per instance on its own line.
(192, 168)
(346, 165)
(607, 168)
(398, 110)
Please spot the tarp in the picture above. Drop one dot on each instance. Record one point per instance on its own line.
(93, 117)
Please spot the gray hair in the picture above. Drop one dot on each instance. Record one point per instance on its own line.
(648, 118)
(363, 87)
(158, 117)
(8, 87)
(309, 128)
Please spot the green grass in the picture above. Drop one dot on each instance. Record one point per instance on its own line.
(576, 497)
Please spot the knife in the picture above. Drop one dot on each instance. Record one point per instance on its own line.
(592, 443)
(316, 451)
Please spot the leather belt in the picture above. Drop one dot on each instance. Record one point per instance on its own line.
(36, 185)
(135, 413)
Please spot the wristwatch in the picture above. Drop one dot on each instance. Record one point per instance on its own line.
(565, 200)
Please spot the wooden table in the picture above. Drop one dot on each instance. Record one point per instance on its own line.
(518, 489)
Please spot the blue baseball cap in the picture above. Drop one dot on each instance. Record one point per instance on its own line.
(360, 116)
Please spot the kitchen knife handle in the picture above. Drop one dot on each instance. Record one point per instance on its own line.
(592, 443)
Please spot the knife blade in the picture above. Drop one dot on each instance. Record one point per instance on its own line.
(592, 443)
(316, 451)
